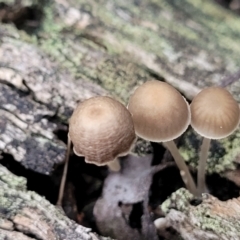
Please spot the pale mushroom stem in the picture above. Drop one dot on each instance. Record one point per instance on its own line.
(114, 165)
(185, 174)
(202, 166)
(64, 176)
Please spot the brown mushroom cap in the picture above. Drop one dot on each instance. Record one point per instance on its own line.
(159, 111)
(101, 129)
(215, 113)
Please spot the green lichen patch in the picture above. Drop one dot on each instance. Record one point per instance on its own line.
(178, 43)
(222, 154)
(211, 215)
(120, 45)
(9, 179)
(178, 200)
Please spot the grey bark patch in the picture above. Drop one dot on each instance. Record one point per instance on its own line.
(33, 88)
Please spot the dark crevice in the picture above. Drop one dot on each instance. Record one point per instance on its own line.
(27, 18)
(132, 213)
(34, 98)
(195, 202)
(232, 5)
(42, 184)
(158, 153)
(224, 3)
(30, 94)
(27, 234)
(23, 93)
(164, 183)
(221, 187)
(152, 73)
(135, 215)
(61, 132)
(155, 75)
(93, 39)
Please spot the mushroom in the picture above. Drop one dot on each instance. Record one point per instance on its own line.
(101, 129)
(161, 114)
(215, 115)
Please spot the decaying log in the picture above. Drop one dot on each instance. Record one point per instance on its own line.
(210, 219)
(25, 215)
(36, 96)
(73, 50)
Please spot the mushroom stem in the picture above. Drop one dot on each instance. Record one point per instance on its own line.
(202, 166)
(64, 176)
(184, 171)
(114, 165)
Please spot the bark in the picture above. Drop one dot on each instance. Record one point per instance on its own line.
(210, 219)
(25, 215)
(72, 50)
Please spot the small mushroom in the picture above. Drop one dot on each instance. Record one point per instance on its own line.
(101, 129)
(161, 114)
(215, 115)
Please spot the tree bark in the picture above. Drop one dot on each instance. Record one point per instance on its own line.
(25, 215)
(73, 50)
(211, 219)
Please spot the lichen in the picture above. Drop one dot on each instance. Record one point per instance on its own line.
(171, 39)
(123, 44)
(209, 215)
(179, 200)
(222, 154)
(11, 180)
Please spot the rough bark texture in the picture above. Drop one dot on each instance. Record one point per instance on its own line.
(75, 49)
(212, 219)
(24, 215)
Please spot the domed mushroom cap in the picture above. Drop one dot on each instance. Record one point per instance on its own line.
(159, 111)
(101, 129)
(215, 113)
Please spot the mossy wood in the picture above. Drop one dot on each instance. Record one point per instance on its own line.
(24, 215)
(210, 219)
(72, 50)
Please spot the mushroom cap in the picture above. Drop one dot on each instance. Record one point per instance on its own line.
(101, 129)
(159, 111)
(215, 113)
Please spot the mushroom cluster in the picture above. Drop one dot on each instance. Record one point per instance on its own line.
(161, 114)
(101, 129)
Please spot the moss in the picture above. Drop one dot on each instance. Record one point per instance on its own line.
(222, 153)
(11, 180)
(180, 39)
(178, 200)
(202, 216)
(125, 42)
(23, 2)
